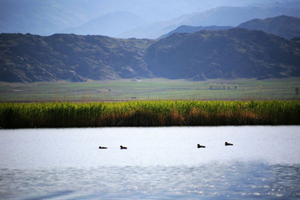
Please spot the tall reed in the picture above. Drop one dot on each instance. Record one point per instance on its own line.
(149, 113)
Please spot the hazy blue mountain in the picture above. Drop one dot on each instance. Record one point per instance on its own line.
(46, 17)
(220, 16)
(193, 29)
(38, 17)
(284, 26)
(233, 53)
(30, 58)
(111, 24)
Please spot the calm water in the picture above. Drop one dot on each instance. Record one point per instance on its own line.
(160, 163)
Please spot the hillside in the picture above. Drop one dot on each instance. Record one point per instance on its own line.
(235, 53)
(220, 16)
(193, 29)
(30, 58)
(284, 26)
(47, 17)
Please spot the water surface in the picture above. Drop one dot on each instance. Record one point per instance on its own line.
(162, 163)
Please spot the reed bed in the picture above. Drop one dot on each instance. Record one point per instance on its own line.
(149, 113)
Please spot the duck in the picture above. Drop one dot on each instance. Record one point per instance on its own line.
(200, 146)
(100, 147)
(228, 144)
(122, 147)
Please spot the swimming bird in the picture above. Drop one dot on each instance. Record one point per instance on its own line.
(102, 147)
(122, 147)
(228, 144)
(200, 146)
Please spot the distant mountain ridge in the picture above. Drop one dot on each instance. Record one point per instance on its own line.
(47, 17)
(229, 54)
(220, 16)
(284, 26)
(158, 17)
(111, 24)
(193, 29)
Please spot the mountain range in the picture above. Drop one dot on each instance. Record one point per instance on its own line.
(193, 29)
(229, 54)
(112, 24)
(220, 16)
(283, 26)
(30, 58)
(233, 53)
(132, 18)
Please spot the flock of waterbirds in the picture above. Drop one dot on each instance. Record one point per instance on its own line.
(198, 146)
(121, 147)
(202, 146)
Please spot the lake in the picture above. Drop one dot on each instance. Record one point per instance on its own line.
(160, 163)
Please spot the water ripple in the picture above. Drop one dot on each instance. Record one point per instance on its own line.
(218, 180)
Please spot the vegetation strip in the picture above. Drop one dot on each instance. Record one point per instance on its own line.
(151, 89)
(149, 113)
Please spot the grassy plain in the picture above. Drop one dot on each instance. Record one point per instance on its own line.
(150, 89)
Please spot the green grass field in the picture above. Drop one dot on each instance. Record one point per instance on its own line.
(150, 89)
